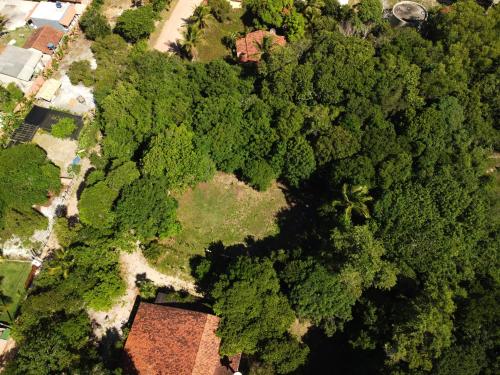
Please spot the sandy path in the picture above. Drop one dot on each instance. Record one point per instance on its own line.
(133, 264)
(172, 29)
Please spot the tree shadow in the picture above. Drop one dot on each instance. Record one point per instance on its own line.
(296, 224)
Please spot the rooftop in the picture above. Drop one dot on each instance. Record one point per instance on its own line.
(18, 62)
(50, 11)
(42, 37)
(173, 341)
(248, 48)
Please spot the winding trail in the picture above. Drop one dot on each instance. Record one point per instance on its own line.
(133, 264)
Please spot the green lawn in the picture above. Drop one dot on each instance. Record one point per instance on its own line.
(210, 46)
(223, 209)
(20, 34)
(13, 275)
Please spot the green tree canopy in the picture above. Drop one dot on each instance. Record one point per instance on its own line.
(146, 207)
(136, 24)
(26, 176)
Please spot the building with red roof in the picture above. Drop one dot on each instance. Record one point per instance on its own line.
(45, 39)
(248, 48)
(168, 340)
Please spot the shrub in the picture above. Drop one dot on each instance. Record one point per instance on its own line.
(159, 5)
(136, 24)
(153, 251)
(80, 71)
(259, 174)
(63, 128)
(9, 97)
(94, 24)
(220, 9)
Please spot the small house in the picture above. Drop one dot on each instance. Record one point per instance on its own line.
(45, 39)
(19, 65)
(249, 48)
(58, 15)
(175, 341)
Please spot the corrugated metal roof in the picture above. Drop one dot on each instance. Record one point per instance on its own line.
(18, 62)
(49, 89)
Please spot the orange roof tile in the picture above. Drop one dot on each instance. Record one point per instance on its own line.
(172, 341)
(41, 38)
(247, 48)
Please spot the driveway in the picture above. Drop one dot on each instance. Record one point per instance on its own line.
(172, 28)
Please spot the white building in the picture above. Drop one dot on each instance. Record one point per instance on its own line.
(58, 15)
(19, 65)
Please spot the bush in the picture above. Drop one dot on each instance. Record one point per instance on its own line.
(153, 251)
(9, 97)
(370, 11)
(259, 174)
(63, 128)
(136, 24)
(80, 71)
(94, 24)
(220, 9)
(159, 5)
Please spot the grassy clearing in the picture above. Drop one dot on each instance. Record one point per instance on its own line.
(223, 209)
(13, 275)
(210, 46)
(20, 35)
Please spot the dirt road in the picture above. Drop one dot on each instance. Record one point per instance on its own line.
(133, 264)
(172, 29)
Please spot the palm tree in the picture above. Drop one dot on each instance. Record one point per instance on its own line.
(62, 262)
(200, 15)
(354, 199)
(3, 23)
(266, 46)
(191, 36)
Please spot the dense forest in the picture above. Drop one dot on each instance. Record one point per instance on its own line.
(381, 135)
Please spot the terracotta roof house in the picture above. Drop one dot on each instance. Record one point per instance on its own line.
(168, 340)
(58, 15)
(248, 47)
(45, 39)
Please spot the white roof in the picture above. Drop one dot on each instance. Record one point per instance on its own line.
(48, 89)
(50, 11)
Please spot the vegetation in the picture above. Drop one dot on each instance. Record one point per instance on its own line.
(219, 36)
(13, 275)
(93, 23)
(9, 97)
(26, 167)
(80, 71)
(136, 24)
(381, 136)
(63, 128)
(222, 209)
(220, 9)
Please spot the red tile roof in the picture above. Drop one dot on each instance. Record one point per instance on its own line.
(167, 340)
(42, 37)
(247, 48)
